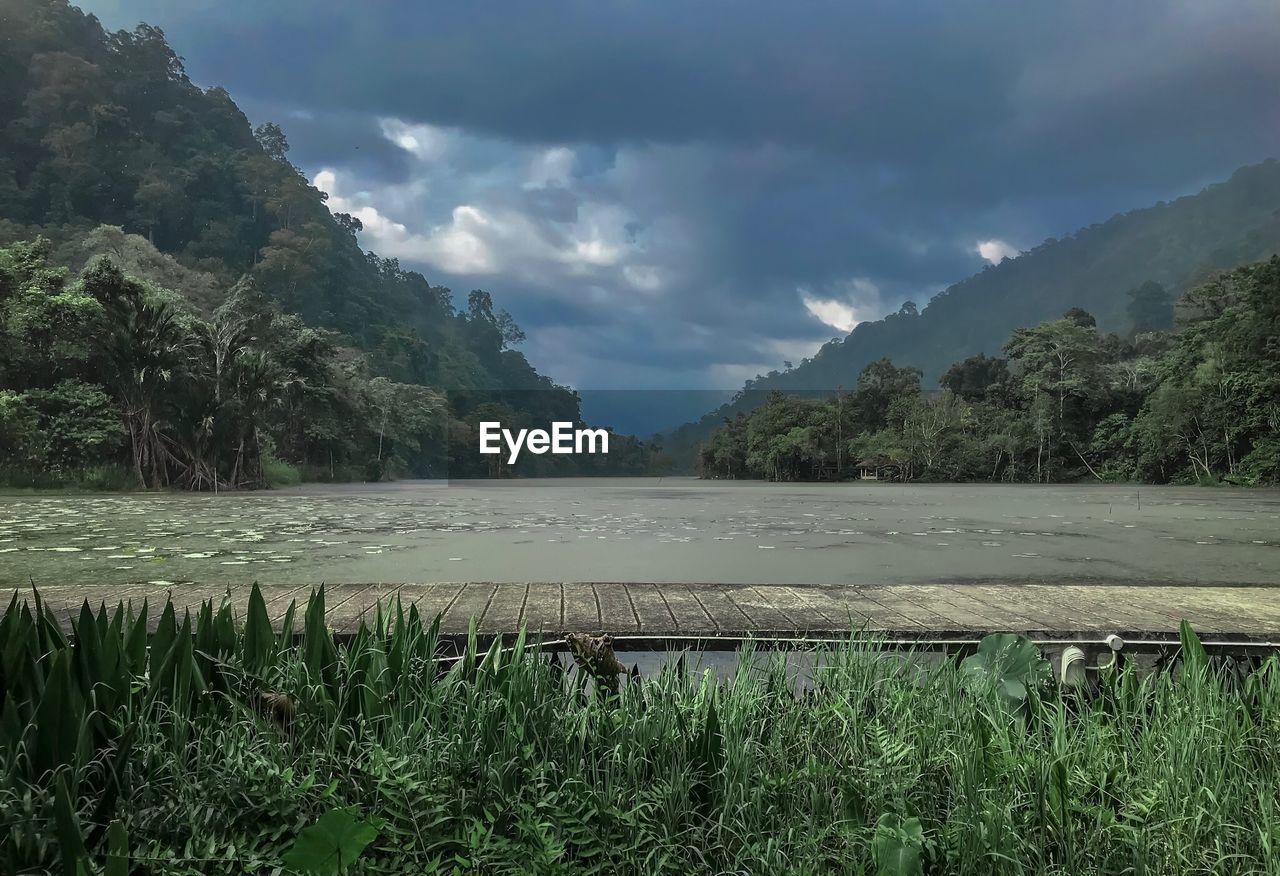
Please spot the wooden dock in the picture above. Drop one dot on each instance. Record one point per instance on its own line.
(730, 612)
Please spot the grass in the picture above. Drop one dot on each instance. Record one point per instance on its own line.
(215, 748)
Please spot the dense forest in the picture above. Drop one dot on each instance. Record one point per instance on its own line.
(179, 307)
(1199, 403)
(1176, 245)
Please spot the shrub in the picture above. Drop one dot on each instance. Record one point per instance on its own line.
(278, 473)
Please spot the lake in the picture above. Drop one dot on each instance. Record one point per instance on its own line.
(658, 530)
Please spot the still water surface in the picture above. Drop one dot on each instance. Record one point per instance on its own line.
(660, 530)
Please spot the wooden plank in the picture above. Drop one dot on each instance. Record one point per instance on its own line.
(542, 609)
(279, 598)
(807, 612)
(136, 593)
(1255, 604)
(1215, 609)
(763, 611)
(505, 610)
(888, 612)
(617, 614)
(343, 604)
(961, 612)
(472, 602)
(1052, 598)
(725, 613)
(708, 609)
(431, 599)
(187, 597)
(652, 613)
(60, 597)
(844, 607)
(71, 596)
(1110, 608)
(687, 612)
(1039, 616)
(581, 608)
(364, 610)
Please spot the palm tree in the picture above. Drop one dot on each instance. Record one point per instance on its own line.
(146, 349)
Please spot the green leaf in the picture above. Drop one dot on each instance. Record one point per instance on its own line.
(898, 846)
(57, 722)
(135, 645)
(1194, 656)
(319, 653)
(117, 850)
(70, 843)
(333, 842)
(162, 640)
(1008, 664)
(259, 639)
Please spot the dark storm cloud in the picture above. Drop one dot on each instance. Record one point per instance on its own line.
(555, 204)
(654, 188)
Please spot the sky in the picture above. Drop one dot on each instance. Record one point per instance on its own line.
(675, 194)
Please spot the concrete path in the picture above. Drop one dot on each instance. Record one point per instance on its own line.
(923, 612)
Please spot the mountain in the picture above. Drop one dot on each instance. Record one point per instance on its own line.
(1177, 245)
(108, 150)
(100, 128)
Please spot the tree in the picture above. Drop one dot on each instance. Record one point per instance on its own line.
(78, 423)
(1080, 317)
(47, 326)
(1056, 365)
(971, 378)
(273, 141)
(21, 440)
(879, 385)
(1150, 308)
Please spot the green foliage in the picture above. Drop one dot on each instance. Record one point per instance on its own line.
(94, 478)
(21, 440)
(1178, 245)
(898, 846)
(248, 396)
(117, 862)
(278, 473)
(975, 376)
(1008, 665)
(223, 748)
(232, 321)
(1199, 405)
(1262, 465)
(1150, 308)
(78, 421)
(332, 843)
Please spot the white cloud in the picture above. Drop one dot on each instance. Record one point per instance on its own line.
(829, 311)
(553, 167)
(426, 142)
(646, 278)
(995, 250)
(461, 247)
(836, 306)
(479, 239)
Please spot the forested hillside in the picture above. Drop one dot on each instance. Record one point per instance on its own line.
(225, 320)
(1163, 250)
(1199, 405)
